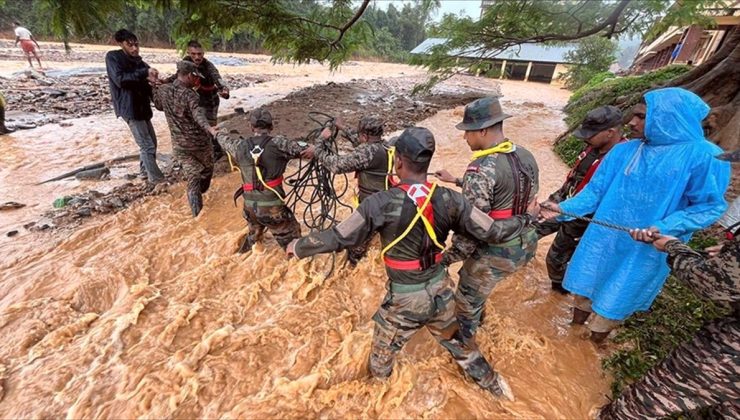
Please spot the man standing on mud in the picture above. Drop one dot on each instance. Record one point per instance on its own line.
(191, 132)
(262, 160)
(501, 181)
(29, 45)
(601, 130)
(209, 87)
(369, 161)
(129, 78)
(414, 219)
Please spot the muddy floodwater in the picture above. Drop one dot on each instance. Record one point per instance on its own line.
(149, 313)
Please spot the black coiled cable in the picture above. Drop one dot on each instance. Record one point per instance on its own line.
(313, 184)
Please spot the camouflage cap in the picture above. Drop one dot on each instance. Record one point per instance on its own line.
(598, 120)
(372, 126)
(482, 113)
(416, 143)
(260, 118)
(189, 67)
(730, 156)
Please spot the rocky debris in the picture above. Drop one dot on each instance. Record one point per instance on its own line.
(11, 205)
(53, 99)
(94, 174)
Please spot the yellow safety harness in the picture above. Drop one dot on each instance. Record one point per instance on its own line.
(256, 152)
(391, 152)
(504, 147)
(419, 215)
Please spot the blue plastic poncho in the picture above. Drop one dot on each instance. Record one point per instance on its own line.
(671, 181)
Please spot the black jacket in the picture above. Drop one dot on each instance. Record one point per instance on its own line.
(129, 88)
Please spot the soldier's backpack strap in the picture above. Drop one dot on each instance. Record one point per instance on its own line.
(256, 151)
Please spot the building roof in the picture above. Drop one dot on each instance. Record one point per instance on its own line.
(524, 52)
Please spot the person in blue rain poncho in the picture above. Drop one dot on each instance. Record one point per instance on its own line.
(668, 182)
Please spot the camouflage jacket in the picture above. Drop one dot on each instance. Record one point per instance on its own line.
(211, 78)
(187, 121)
(716, 278)
(278, 151)
(369, 161)
(390, 212)
(488, 184)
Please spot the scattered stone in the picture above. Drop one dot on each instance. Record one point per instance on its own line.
(98, 173)
(116, 202)
(11, 205)
(12, 233)
(84, 212)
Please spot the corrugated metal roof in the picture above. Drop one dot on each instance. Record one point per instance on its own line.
(526, 52)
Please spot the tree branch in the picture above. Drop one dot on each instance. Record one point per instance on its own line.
(351, 22)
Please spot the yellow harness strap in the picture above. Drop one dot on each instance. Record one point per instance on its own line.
(391, 154)
(427, 225)
(504, 147)
(231, 163)
(256, 158)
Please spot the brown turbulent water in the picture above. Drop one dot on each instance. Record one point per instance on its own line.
(149, 313)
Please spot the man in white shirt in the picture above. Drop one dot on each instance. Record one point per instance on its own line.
(28, 43)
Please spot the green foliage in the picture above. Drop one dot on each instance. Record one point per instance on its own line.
(569, 149)
(648, 337)
(510, 23)
(593, 56)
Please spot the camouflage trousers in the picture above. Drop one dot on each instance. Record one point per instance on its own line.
(563, 247)
(197, 168)
(481, 273)
(700, 374)
(279, 219)
(408, 308)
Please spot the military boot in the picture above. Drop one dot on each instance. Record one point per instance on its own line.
(500, 388)
(247, 245)
(579, 316)
(3, 128)
(195, 199)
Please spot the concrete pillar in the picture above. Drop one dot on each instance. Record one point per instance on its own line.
(503, 69)
(529, 69)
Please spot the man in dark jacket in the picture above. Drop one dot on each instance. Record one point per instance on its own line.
(129, 79)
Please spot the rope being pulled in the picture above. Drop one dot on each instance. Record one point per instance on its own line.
(588, 219)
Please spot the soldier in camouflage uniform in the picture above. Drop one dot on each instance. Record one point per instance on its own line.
(600, 130)
(262, 160)
(705, 372)
(369, 162)
(420, 292)
(501, 181)
(209, 87)
(191, 132)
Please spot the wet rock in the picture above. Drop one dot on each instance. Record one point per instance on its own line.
(84, 212)
(11, 205)
(116, 202)
(77, 201)
(11, 233)
(92, 174)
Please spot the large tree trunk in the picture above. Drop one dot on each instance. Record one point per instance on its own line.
(717, 81)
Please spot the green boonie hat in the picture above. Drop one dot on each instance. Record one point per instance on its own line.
(730, 156)
(598, 120)
(482, 113)
(260, 118)
(190, 67)
(372, 126)
(416, 143)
